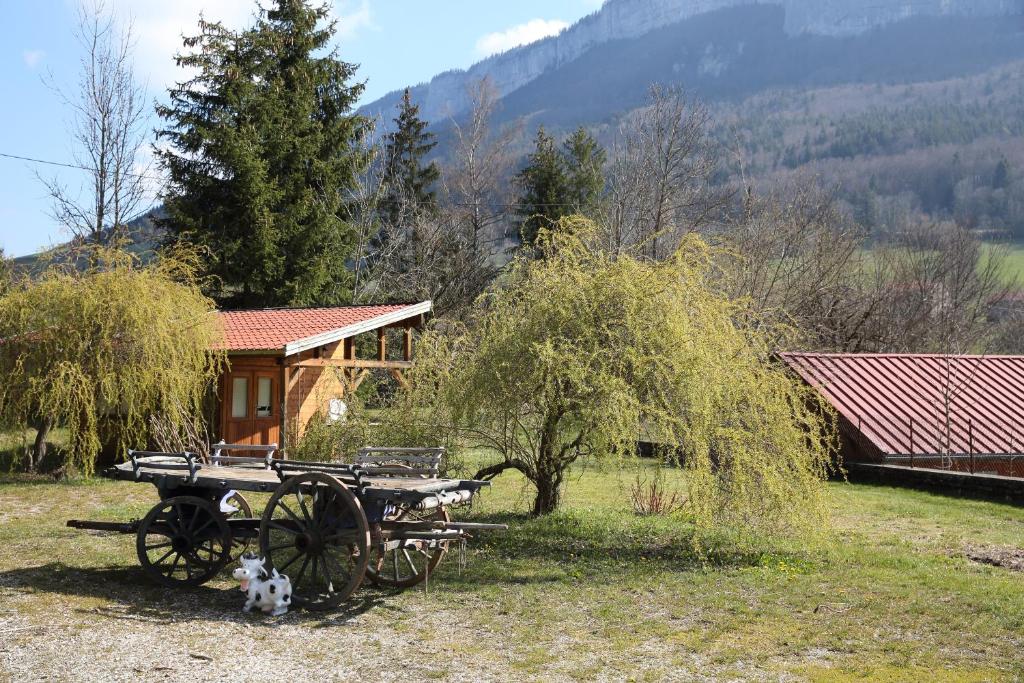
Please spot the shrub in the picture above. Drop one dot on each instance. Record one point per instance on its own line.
(652, 497)
(99, 348)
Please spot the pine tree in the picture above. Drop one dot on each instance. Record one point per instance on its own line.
(558, 182)
(1001, 176)
(584, 162)
(408, 181)
(264, 149)
(544, 188)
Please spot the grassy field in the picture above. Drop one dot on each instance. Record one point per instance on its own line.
(591, 593)
(1012, 272)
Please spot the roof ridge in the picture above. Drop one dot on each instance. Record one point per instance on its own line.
(313, 308)
(847, 354)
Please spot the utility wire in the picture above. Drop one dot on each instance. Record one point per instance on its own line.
(44, 161)
(481, 205)
(74, 166)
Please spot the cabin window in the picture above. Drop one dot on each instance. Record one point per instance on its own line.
(240, 397)
(263, 397)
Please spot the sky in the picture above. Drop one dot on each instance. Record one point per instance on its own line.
(395, 42)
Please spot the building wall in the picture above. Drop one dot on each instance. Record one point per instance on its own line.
(309, 389)
(313, 388)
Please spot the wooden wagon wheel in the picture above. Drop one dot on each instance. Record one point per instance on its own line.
(183, 541)
(412, 564)
(315, 531)
(239, 544)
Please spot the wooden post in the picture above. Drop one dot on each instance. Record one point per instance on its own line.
(970, 442)
(282, 438)
(911, 443)
(382, 341)
(350, 354)
(407, 344)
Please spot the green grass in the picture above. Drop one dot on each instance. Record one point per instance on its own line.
(591, 591)
(1012, 272)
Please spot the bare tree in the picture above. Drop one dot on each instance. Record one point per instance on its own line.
(363, 204)
(800, 261)
(659, 180)
(450, 253)
(109, 111)
(427, 257)
(941, 286)
(474, 183)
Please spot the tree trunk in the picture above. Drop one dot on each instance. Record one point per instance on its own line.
(548, 494)
(39, 447)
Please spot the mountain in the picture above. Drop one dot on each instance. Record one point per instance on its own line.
(621, 20)
(730, 54)
(141, 236)
(908, 108)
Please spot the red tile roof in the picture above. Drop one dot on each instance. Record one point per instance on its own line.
(881, 395)
(284, 329)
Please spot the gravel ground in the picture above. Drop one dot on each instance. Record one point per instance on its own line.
(187, 639)
(202, 635)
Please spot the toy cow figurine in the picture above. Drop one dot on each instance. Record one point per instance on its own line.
(271, 593)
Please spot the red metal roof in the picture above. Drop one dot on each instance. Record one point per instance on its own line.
(285, 329)
(902, 402)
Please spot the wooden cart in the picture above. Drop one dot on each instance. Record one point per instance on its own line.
(328, 526)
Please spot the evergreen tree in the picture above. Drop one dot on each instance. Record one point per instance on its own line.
(408, 181)
(264, 149)
(544, 188)
(584, 162)
(558, 182)
(1001, 176)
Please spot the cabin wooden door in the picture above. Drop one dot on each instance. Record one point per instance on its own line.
(251, 408)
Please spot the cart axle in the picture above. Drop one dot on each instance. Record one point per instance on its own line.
(118, 527)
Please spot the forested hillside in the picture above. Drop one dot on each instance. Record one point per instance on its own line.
(919, 117)
(950, 148)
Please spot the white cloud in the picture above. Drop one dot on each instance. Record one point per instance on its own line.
(33, 57)
(522, 34)
(351, 22)
(158, 28)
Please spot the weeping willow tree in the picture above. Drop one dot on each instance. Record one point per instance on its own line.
(579, 352)
(100, 349)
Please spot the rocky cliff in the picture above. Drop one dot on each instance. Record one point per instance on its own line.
(445, 95)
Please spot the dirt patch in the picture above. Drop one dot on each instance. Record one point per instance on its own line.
(1007, 558)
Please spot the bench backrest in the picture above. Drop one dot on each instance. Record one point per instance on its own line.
(401, 462)
(220, 453)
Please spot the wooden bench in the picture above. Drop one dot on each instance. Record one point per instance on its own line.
(400, 462)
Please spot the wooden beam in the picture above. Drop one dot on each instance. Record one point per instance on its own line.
(398, 377)
(382, 344)
(349, 353)
(349, 364)
(354, 386)
(293, 377)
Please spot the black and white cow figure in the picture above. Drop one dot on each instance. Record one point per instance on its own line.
(271, 593)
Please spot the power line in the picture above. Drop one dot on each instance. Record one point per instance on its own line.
(44, 161)
(74, 166)
(480, 205)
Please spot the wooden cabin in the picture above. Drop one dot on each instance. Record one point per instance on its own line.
(288, 364)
